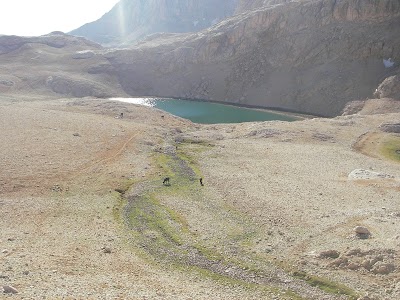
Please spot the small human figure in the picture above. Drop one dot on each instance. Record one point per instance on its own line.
(166, 181)
(201, 182)
(121, 115)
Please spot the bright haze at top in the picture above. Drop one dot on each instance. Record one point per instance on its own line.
(34, 18)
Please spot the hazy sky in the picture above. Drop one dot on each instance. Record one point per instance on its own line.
(37, 17)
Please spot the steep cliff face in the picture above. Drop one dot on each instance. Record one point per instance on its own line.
(131, 20)
(310, 56)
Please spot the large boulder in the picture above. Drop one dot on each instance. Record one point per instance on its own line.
(389, 88)
(390, 127)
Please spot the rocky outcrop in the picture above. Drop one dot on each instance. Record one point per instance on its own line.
(309, 56)
(390, 127)
(389, 88)
(70, 87)
(131, 20)
(372, 107)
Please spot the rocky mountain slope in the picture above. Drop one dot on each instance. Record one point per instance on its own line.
(130, 20)
(53, 64)
(311, 56)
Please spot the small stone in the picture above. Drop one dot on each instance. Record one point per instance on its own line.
(382, 268)
(353, 266)
(268, 249)
(367, 264)
(107, 250)
(329, 254)
(8, 289)
(340, 262)
(354, 252)
(361, 230)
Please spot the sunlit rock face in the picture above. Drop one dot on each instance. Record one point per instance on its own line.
(311, 56)
(131, 20)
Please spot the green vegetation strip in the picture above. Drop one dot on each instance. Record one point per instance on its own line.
(391, 149)
(164, 234)
(326, 285)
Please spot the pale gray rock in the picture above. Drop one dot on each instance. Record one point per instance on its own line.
(8, 289)
(383, 268)
(8, 83)
(389, 88)
(107, 250)
(361, 230)
(367, 174)
(329, 254)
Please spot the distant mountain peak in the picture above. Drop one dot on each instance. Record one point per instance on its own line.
(132, 20)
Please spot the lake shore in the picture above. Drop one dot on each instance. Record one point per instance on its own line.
(272, 110)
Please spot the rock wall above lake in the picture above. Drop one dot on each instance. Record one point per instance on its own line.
(309, 56)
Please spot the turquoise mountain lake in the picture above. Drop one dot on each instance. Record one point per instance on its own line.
(208, 112)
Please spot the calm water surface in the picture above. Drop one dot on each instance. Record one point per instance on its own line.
(207, 112)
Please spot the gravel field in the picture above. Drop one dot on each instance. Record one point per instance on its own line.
(85, 214)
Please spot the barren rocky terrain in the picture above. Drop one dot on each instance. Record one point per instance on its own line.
(285, 210)
(301, 210)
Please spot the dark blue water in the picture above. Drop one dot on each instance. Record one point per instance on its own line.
(208, 112)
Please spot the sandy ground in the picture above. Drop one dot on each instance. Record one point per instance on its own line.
(276, 196)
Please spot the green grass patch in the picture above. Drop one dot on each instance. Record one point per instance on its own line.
(326, 285)
(124, 185)
(197, 142)
(265, 291)
(391, 149)
(164, 163)
(210, 254)
(148, 215)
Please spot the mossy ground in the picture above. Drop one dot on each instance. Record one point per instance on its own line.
(164, 233)
(391, 148)
(326, 285)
